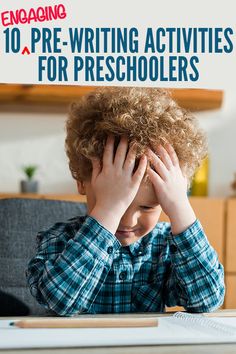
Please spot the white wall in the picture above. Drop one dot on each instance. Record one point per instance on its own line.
(220, 127)
(36, 136)
(29, 137)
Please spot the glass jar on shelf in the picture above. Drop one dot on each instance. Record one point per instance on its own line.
(233, 185)
(199, 185)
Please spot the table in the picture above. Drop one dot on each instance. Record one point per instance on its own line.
(160, 349)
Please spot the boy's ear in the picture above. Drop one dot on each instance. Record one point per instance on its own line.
(81, 187)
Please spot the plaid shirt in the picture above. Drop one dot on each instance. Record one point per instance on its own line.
(82, 267)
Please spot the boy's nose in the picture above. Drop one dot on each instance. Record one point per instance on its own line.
(129, 220)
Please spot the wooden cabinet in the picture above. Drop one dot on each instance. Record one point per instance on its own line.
(231, 237)
(211, 213)
(230, 264)
(230, 295)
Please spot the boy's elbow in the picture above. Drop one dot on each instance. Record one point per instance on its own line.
(58, 303)
(53, 300)
(208, 303)
(51, 296)
(61, 303)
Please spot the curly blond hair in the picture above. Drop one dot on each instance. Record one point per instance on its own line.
(146, 116)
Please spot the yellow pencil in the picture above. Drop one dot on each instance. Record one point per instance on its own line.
(86, 323)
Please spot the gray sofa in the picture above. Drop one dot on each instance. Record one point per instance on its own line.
(20, 220)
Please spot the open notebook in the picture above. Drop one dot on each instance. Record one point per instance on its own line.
(182, 328)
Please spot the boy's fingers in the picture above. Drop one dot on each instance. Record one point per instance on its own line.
(171, 151)
(165, 157)
(130, 159)
(108, 151)
(154, 177)
(139, 173)
(96, 164)
(121, 153)
(158, 165)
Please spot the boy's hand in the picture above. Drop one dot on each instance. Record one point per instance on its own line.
(171, 187)
(115, 185)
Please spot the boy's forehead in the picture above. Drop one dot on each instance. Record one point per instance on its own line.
(146, 193)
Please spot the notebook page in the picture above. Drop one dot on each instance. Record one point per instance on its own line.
(200, 323)
(169, 331)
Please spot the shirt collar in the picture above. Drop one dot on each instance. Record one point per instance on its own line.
(138, 248)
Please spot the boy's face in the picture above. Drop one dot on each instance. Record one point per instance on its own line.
(140, 217)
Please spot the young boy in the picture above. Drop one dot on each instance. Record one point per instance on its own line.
(132, 152)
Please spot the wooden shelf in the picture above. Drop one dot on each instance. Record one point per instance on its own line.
(66, 197)
(55, 94)
(191, 99)
(198, 100)
(10, 93)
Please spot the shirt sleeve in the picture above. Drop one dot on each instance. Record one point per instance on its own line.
(196, 278)
(66, 275)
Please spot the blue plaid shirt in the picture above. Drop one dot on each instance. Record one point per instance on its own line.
(81, 267)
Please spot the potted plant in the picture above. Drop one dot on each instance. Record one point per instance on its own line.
(29, 185)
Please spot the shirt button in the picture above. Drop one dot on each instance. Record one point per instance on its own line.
(173, 248)
(123, 276)
(109, 250)
(140, 252)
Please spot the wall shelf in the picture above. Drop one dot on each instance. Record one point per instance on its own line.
(191, 99)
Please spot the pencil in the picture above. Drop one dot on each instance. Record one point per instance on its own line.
(86, 323)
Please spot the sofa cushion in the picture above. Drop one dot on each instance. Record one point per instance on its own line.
(20, 221)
